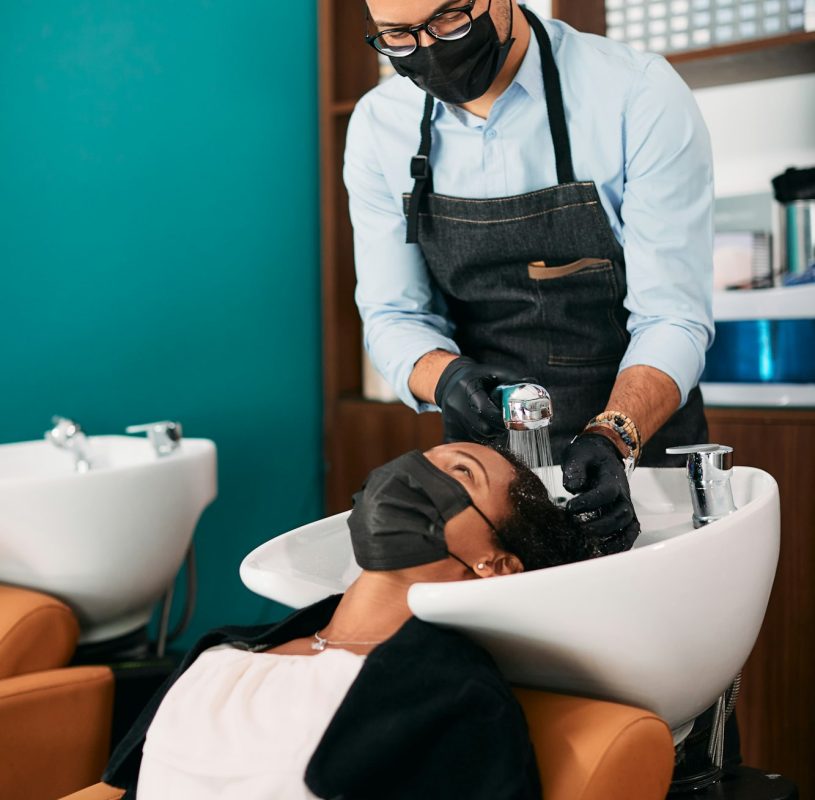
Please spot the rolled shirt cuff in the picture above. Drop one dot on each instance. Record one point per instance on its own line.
(671, 349)
(397, 369)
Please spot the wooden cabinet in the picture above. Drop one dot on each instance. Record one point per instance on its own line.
(347, 68)
(776, 709)
(751, 60)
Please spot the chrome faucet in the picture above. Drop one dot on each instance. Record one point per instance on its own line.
(165, 436)
(709, 469)
(68, 435)
(525, 406)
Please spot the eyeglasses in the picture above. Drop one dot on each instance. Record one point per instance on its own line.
(448, 25)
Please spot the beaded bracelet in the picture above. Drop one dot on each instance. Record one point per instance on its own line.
(623, 426)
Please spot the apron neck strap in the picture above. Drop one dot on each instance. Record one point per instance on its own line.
(554, 101)
(421, 173)
(420, 163)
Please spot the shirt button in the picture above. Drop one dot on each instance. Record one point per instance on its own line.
(492, 133)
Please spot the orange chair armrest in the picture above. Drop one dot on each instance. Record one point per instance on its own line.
(99, 791)
(54, 730)
(37, 632)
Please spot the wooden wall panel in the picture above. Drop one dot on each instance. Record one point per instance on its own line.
(347, 68)
(347, 334)
(588, 16)
(776, 710)
(369, 434)
(353, 61)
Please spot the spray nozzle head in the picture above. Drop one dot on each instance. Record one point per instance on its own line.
(525, 406)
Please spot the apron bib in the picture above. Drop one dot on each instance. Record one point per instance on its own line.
(536, 282)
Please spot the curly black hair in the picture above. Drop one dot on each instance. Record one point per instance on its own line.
(537, 531)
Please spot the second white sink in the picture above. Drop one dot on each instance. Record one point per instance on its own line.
(109, 541)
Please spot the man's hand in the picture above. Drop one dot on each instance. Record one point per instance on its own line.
(463, 394)
(593, 470)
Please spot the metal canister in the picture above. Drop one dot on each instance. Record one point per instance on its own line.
(795, 192)
(797, 232)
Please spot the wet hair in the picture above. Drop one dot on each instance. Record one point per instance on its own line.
(536, 530)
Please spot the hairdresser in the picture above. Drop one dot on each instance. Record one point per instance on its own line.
(529, 201)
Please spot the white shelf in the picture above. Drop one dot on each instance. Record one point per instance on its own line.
(785, 302)
(759, 395)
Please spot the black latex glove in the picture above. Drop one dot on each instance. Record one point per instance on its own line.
(593, 470)
(463, 395)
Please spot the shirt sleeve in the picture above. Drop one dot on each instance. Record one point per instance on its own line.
(402, 312)
(667, 216)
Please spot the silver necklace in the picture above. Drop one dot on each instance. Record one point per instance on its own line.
(320, 643)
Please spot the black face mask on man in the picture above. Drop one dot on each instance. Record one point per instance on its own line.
(461, 70)
(399, 515)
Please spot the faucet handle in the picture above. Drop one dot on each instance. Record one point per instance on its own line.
(715, 455)
(165, 436)
(68, 435)
(56, 419)
(698, 448)
(63, 430)
(706, 461)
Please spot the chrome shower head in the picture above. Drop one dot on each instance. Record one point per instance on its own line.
(525, 406)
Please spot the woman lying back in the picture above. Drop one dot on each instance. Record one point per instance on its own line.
(353, 697)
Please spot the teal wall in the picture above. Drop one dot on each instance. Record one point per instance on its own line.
(159, 246)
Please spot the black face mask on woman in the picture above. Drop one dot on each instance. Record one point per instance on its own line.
(461, 70)
(399, 515)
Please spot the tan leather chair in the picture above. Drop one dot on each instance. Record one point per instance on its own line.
(586, 750)
(54, 720)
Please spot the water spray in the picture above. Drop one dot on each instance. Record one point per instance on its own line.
(527, 412)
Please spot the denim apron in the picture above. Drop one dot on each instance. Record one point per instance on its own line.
(536, 282)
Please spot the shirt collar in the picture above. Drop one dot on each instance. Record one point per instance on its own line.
(529, 78)
(530, 75)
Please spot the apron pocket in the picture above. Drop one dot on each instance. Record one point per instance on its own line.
(539, 271)
(582, 309)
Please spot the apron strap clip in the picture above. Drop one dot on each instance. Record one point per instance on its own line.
(422, 183)
(419, 168)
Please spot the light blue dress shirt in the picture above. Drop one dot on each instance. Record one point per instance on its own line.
(635, 131)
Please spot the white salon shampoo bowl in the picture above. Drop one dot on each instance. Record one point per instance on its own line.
(666, 626)
(107, 542)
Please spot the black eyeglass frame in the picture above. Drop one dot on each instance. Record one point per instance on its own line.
(414, 30)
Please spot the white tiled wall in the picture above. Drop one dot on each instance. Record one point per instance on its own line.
(673, 25)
